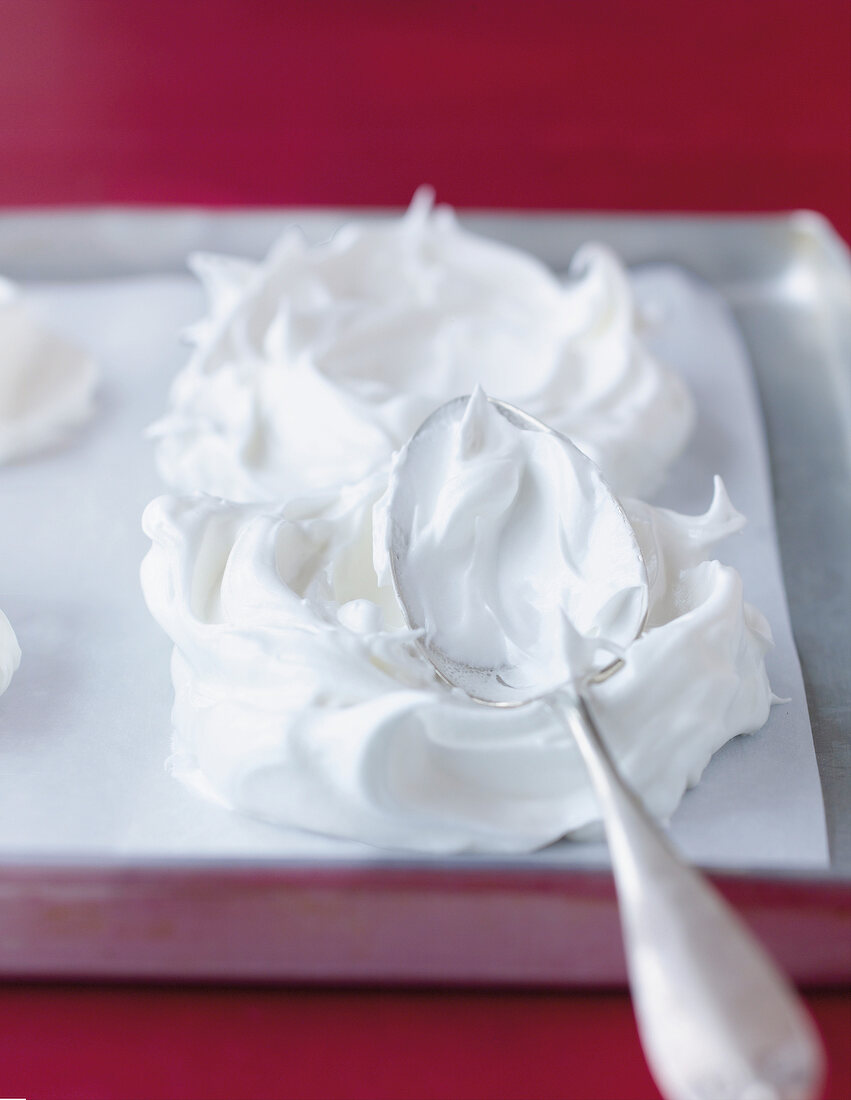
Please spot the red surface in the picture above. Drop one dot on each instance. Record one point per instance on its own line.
(95, 1043)
(594, 105)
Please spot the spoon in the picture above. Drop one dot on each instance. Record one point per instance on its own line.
(716, 1018)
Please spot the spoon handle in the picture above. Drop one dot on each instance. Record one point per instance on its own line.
(716, 1018)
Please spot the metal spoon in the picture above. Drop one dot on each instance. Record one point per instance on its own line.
(716, 1018)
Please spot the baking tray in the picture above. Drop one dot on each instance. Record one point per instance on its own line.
(788, 281)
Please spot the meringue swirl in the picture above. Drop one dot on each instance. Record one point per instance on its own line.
(315, 365)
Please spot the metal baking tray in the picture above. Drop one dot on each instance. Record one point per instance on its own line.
(788, 280)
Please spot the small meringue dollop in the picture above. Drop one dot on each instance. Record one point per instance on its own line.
(46, 382)
(10, 653)
(315, 365)
(301, 698)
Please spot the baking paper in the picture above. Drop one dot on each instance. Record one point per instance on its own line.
(85, 728)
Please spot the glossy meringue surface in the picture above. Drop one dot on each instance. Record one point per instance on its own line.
(509, 551)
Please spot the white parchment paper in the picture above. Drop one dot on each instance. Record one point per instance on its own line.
(84, 727)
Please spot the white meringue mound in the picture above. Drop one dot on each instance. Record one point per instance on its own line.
(46, 383)
(300, 699)
(313, 366)
(10, 653)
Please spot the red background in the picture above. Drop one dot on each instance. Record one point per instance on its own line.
(719, 105)
(581, 104)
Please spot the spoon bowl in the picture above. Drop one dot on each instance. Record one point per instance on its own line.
(617, 571)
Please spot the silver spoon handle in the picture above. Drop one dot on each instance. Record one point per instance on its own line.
(717, 1020)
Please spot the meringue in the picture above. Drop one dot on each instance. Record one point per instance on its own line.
(10, 653)
(301, 697)
(315, 365)
(46, 382)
